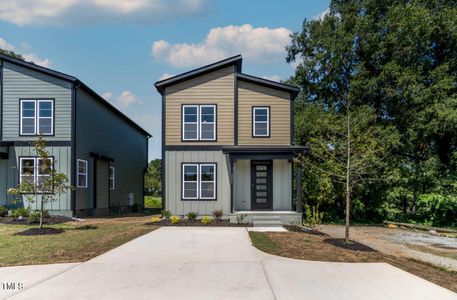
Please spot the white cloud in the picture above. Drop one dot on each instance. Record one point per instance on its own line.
(29, 56)
(107, 96)
(273, 78)
(258, 44)
(321, 15)
(165, 76)
(32, 12)
(127, 98)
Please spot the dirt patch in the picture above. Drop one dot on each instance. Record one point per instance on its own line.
(24, 221)
(186, 222)
(301, 245)
(40, 231)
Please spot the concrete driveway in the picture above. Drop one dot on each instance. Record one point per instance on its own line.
(221, 263)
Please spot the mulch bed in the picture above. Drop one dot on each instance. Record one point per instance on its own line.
(352, 245)
(38, 231)
(187, 222)
(24, 221)
(294, 228)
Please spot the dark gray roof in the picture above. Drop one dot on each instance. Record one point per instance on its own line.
(77, 83)
(234, 60)
(269, 83)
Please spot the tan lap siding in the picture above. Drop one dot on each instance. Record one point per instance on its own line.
(214, 88)
(250, 95)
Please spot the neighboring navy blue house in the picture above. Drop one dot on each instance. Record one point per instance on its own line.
(102, 151)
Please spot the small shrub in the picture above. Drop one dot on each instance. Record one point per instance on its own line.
(206, 220)
(155, 220)
(21, 212)
(34, 217)
(217, 214)
(166, 214)
(192, 216)
(175, 219)
(240, 218)
(3, 211)
(313, 217)
(46, 213)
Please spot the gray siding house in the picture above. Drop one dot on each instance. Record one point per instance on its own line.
(227, 144)
(102, 151)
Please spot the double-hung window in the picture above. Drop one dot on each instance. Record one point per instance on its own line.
(111, 178)
(199, 181)
(261, 121)
(37, 172)
(37, 117)
(82, 173)
(199, 122)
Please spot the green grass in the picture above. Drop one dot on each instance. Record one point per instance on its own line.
(79, 241)
(152, 202)
(261, 241)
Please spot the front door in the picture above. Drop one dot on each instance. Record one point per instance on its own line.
(261, 185)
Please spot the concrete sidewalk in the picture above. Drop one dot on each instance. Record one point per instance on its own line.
(220, 263)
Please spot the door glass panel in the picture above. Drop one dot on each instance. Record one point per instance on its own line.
(261, 174)
(261, 194)
(261, 180)
(261, 187)
(261, 200)
(261, 168)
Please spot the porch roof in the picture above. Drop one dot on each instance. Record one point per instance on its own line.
(263, 151)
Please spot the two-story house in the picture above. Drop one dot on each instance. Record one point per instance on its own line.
(102, 151)
(227, 144)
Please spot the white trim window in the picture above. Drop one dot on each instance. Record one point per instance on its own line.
(207, 128)
(112, 173)
(261, 121)
(81, 175)
(199, 122)
(190, 181)
(37, 117)
(190, 122)
(207, 181)
(36, 171)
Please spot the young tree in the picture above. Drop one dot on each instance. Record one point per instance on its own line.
(41, 182)
(350, 148)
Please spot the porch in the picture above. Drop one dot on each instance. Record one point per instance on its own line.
(262, 184)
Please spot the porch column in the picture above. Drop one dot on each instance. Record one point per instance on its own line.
(231, 185)
(299, 191)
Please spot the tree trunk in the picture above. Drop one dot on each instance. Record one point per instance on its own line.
(348, 175)
(41, 214)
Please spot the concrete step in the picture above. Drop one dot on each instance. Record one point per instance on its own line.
(266, 221)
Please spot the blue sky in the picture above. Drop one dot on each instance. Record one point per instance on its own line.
(121, 47)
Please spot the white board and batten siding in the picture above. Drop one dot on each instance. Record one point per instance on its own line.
(282, 185)
(173, 165)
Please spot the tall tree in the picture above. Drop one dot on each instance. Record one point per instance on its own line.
(153, 177)
(398, 58)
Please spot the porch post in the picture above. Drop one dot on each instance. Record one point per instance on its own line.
(299, 190)
(231, 185)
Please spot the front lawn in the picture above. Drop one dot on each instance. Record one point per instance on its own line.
(79, 241)
(302, 245)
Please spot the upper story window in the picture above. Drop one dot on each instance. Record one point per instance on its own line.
(199, 123)
(37, 117)
(260, 121)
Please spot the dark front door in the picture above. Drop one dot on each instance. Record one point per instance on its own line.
(261, 185)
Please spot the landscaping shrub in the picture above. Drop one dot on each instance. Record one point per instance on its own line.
(192, 216)
(312, 216)
(217, 214)
(166, 214)
(155, 220)
(3, 211)
(437, 209)
(34, 217)
(175, 219)
(240, 218)
(206, 220)
(21, 212)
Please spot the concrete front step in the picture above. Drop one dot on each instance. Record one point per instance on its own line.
(282, 217)
(266, 221)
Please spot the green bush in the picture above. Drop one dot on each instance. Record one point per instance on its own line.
(175, 219)
(192, 216)
(217, 214)
(3, 211)
(166, 214)
(437, 209)
(21, 212)
(34, 217)
(312, 216)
